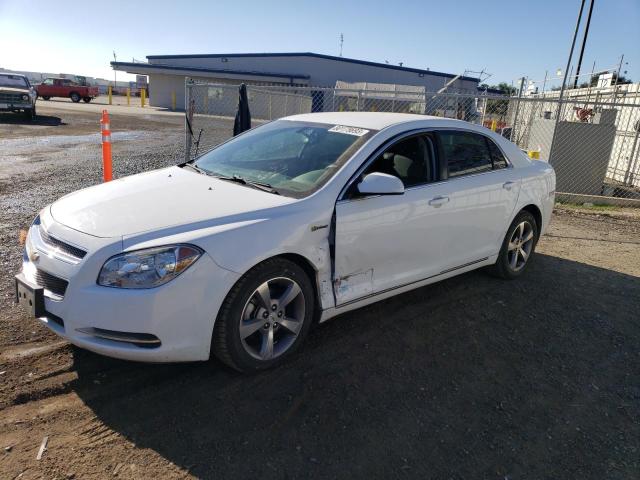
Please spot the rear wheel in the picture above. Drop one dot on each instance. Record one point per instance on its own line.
(265, 317)
(75, 97)
(86, 99)
(518, 247)
(46, 97)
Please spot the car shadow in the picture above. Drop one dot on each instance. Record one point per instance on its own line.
(9, 118)
(467, 378)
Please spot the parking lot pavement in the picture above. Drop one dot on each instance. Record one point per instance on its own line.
(473, 377)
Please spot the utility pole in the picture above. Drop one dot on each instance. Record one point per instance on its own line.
(564, 79)
(341, 42)
(115, 72)
(566, 70)
(584, 42)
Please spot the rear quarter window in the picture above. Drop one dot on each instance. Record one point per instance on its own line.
(497, 157)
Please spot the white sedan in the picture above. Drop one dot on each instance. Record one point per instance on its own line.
(239, 252)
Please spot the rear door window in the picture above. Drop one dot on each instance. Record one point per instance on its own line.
(465, 153)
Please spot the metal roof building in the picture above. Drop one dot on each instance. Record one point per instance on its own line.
(167, 73)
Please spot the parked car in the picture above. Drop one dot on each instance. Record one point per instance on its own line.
(17, 95)
(238, 252)
(67, 88)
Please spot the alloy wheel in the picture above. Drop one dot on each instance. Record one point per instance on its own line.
(520, 246)
(272, 318)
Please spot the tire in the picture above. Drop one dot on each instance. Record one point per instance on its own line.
(245, 327)
(86, 99)
(46, 97)
(75, 97)
(30, 114)
(518, 247)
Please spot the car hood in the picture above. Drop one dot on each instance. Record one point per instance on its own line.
(155, 200)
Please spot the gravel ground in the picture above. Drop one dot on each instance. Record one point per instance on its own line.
(472, 377)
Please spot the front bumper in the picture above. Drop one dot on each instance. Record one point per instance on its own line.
(179, 314)
(13, 106)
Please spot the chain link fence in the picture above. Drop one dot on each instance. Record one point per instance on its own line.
(592, 140)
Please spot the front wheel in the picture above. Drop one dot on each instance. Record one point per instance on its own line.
(46, 97)
(30, 114)
(86, 99)
(265, 317)
(75, 97)
(518, 247)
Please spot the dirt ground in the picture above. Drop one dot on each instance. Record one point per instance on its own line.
(473, 377)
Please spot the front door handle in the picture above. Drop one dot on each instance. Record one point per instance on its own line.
(508, 185)
(438, 201)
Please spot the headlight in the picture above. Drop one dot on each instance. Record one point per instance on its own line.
(25, 97)
(28, 248)
(148, 268)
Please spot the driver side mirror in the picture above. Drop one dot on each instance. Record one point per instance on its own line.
(377, 183)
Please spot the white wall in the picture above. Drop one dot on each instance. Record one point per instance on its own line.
(161, 87)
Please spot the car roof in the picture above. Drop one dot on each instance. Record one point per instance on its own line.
(380, 120)
(373, 120)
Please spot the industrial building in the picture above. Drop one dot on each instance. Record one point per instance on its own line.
(167, 73)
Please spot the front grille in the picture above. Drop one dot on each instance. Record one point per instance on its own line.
(59, 244)
(10, 97)
(54, 284)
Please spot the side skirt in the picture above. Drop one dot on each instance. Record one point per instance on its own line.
(376, 297)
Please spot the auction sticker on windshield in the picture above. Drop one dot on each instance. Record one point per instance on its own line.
(358, 132)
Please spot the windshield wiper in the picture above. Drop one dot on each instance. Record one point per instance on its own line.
(196, 168)
(265, 187)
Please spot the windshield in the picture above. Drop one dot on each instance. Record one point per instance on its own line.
(14, 81)
(295, 158)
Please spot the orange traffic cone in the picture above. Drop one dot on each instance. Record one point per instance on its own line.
(105, 127)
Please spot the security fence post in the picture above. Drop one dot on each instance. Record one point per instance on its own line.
(484, 110)
(515, 117)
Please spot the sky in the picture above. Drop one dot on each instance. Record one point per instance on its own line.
(507, 39)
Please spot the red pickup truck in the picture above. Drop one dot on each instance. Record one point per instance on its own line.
(64, 87)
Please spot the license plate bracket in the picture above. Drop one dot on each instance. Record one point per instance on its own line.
(30, 297)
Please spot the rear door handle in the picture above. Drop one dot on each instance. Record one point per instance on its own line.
(438, 201)
(508, 185)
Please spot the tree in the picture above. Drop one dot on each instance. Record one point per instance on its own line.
(506, 88)
(622, 80)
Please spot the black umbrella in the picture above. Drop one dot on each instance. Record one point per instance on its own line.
(243, 116)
